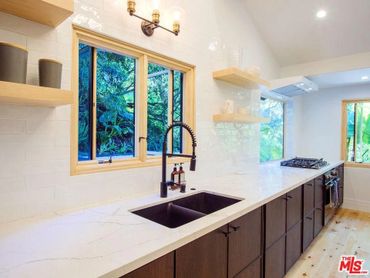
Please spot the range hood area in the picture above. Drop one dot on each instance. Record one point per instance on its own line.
(293, 86)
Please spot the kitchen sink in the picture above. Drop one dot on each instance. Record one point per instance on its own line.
(178, 212)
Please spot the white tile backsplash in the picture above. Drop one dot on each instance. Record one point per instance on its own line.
(35, 142)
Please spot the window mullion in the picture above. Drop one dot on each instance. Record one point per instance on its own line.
(142, 78)
(94, 104)
(170, 107)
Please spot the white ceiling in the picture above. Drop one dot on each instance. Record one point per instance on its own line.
(295, 35)
(340, 79)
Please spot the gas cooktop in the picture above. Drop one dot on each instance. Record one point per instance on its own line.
(300, 162)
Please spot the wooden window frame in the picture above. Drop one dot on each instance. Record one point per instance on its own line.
(344, 134)
(143, 57)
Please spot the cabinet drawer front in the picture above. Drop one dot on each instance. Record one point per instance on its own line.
(318, 220)
(294, 207)
(293, 245)
(319, 191)
(308, 197)
(275, 260)
(275, 220)
(162, 267)
(204, 257)
(244, 241)
(307, 230)
(252, 271)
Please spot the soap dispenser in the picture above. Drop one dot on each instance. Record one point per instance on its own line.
(174, 176)
(182, 182)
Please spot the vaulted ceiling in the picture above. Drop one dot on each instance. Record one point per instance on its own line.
(296, 35)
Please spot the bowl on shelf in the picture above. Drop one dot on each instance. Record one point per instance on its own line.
(13, 66)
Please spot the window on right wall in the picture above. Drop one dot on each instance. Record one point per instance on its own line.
(356, 132)
(272, 133)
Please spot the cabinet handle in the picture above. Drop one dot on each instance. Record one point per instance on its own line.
(226, 234)
(309, 218)
(235, 228)
(290, 197)
(309, 184)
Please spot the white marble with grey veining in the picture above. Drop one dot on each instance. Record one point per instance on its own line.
(109, 241)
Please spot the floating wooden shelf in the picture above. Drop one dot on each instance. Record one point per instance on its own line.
(24, 94)
(48, 12)
(240, 78)
(238, 118)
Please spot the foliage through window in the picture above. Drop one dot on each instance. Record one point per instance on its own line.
(108, 100)
(160, 82)
(272, 133)
(357, 132)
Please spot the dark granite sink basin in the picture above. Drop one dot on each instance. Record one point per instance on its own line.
(178, 212)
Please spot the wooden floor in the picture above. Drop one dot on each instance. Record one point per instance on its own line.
(347, 234)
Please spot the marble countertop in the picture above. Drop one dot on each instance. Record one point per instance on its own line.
(110, 241)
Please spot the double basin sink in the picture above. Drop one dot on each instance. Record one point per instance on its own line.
(178, 212)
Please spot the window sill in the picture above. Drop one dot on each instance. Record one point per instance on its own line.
(90, 167)
(356, 165)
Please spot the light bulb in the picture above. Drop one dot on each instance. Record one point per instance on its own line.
(176, 16)
(155, 4)
(321, 14)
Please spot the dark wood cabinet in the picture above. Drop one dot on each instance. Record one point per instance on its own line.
(294, 207)
(319, 191)
(307, 230)
(162, 267)
(205, 257)
(293, 245)
(318, 220)
(275, 260)
(275, 220)
(252, 271)
(245, 242)
(308, 197)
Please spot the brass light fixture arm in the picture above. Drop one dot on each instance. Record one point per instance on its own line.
(148, 27)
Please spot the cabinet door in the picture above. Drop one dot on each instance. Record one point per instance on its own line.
(162, 267)
(275, 220)
(308, 197)
(319, 191)
(205, 257)
(252, 271)
(318, 221)
(244, 241)
(294, 207)
(307, 230)
(293, 245)
(275, 260)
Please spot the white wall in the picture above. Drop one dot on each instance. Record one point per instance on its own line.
(319, 135)
(34, 142)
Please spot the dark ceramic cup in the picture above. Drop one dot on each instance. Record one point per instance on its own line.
(50, 73)
(13, 63)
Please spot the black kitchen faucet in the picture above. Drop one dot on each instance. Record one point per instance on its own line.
(165, 183)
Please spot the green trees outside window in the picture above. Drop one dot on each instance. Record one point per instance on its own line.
(115, 111)
(112, 132)
(159, 79)
(272, 133)
(85, 102)
(358, 132)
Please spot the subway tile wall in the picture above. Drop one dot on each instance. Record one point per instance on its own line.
(35, 142)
